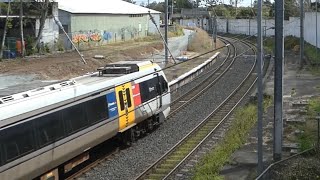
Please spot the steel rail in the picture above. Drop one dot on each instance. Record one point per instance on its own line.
(205, 84)
(180, 144)
(219, 124)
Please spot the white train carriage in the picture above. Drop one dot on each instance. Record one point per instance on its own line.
(43, 128)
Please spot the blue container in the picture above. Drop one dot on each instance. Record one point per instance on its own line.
(7, 54)
(13, 54)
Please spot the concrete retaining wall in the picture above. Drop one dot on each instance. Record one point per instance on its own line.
(190, 75)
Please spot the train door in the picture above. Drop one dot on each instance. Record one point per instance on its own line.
(125, 106)
(159, 90)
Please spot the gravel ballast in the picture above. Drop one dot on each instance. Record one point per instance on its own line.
(130, 162)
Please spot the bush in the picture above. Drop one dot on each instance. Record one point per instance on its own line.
(290, 42)
(29, 42)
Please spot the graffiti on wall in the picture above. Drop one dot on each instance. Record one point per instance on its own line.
(82, 37)
(104, 36)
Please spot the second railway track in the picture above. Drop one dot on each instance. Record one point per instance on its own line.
(164, 167)
(129, 162)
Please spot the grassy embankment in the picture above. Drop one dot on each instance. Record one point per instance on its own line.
(201, 42)
(292, 43)
(244, 120)
(309, 136)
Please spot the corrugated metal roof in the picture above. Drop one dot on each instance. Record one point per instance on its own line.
(102, 7)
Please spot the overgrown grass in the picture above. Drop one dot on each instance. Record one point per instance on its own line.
(311, 53)
(201, 41)
(269, 45)
(309, 50)
(175, 30)
(212, 163)
(309, 136)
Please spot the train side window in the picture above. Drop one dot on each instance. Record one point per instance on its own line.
(97, 109)
(128, 97)
(75, 118)
(49, 128)
(121, 100)
(17, 141)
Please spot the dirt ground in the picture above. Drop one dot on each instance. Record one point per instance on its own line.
(69, 64)
(66, 65)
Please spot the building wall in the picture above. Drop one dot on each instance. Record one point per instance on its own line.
(310, 28)
(196, 22)
(102, 28)
(152, 28)
(65, 19)
(291, 27)
(50, 33)
(249, 26)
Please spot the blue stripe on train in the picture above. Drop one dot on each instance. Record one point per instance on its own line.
(112, 104)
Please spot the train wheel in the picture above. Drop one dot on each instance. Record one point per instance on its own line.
(128, 137)
(149, 125)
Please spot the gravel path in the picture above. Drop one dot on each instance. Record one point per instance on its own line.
(132, 161)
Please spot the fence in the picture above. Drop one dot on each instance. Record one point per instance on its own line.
(249, 26)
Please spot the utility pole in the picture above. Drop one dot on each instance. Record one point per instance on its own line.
(166, 31)
(316, 28)
(278, 80)
(260, 88)
(172, 12)
(301, 33)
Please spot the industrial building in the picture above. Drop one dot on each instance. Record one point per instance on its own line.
(101, 21)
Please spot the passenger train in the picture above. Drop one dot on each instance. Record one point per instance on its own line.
(42, 129)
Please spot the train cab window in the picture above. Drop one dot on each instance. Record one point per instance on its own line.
(49, 128)
(17, 141)
(75, 118)
(148, 89)
(152, 85)
(164, 84)
(121, 100)
(128, 97)
(97, 109)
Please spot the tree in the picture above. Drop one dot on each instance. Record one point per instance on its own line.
(21, 29)
(5, 29)
(179, 4)
(156, 6)
(130, 1)
(43, 8)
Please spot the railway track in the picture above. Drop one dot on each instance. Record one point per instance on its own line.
(102, 158)
(210, 78)
(165, 166)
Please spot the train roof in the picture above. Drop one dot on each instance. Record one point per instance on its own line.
(107, 77)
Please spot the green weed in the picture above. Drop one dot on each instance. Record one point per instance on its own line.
(212, 163)
(309, 136)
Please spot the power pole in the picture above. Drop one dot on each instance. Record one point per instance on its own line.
(316, 28)
(172, 12)
(278, 80)
(301, 33)
(166, 31)
(260, 88)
